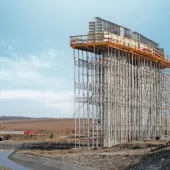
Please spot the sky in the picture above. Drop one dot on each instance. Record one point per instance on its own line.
(36, 61)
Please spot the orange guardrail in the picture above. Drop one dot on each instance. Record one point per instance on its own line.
(115, 41)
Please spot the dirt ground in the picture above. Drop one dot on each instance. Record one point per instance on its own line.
(151, 155)
(42, 126)
(140, 155)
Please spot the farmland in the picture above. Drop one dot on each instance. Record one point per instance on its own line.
(41, 126)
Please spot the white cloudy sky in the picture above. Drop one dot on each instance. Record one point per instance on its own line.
(36, 66)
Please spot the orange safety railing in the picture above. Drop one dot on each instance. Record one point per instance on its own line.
(122, 42)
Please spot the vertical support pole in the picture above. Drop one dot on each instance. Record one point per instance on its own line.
(140, 96)
(115, 97)
(88, 110)
(111, 99)
(83, 87)
(109, 95)
(119, 95)
(97, 90)
(129, 96)
(161, 96)
(79, 96)
(126, 94)
(150, 111)
(147, 102)
(75, 126)
(133, 94)
(92, 101)
(101, 58)
(141, 99)
(108, 98)
(157, 99)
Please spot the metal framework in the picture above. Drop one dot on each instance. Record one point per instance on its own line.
(121, 90)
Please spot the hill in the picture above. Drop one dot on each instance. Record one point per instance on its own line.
(13, 118)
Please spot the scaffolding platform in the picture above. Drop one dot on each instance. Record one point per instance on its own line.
(105, 40)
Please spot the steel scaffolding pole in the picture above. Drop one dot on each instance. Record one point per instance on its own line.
(123, 96)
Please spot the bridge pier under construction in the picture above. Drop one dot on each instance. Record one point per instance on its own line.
(121, 86)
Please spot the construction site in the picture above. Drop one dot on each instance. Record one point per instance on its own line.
(121, 86)
(121, 109)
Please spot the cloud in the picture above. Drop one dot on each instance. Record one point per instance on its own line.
(34, 71)
(37, 78)
(39, 63)
(13, 65)
(52, 53)
(50, 99)
(10, 47)
(16, 69)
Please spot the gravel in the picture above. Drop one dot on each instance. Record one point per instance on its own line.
(100, 161)
(127, 157)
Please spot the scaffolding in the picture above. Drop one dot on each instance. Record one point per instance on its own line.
(121, 90)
